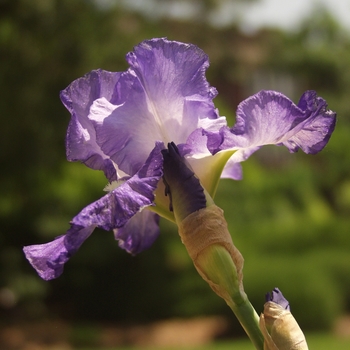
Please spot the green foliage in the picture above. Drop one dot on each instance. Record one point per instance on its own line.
(289, 216)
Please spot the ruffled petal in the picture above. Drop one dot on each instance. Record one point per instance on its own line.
(318, 128)
(139, 233)
(196, 144)
(164, 96)
(48, 259)
(269, 117)
(116, 208)
(78, 98)
(112, 211)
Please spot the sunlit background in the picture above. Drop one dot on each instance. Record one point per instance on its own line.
(290, 216)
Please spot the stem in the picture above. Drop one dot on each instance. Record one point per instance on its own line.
(248, 318)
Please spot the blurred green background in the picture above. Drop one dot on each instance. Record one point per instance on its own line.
(289, 216)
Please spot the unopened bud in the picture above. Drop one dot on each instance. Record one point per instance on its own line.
(210, 246)
(203, 231)
(278, 326)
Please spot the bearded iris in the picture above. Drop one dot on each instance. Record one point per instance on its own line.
(121, 121)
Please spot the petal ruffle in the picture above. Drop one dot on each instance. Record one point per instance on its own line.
(318, 128)
(48, 259)
(81, 142)
(164, 96)
(269, 117)
(112, 211)
(115, 208)
(139, 233)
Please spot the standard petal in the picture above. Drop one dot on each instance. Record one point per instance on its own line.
(78, 98)
(167, 98)
(139, 233)
(269, 117)
(48, 259)
(173, 76)
(196, 144)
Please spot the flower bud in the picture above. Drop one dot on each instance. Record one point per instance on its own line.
(202, 227)
(203, 231)
(210, 246)
(181, 184)
(278, 326)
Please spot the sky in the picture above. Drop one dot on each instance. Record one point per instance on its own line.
(285, 14)
(288, 14)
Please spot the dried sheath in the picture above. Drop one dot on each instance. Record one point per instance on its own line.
(280, 329)
(205, 234)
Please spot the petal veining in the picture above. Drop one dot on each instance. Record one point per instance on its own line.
(112, 211)
(168, 97)
(48, 259)
(269, 117)
(163, 96)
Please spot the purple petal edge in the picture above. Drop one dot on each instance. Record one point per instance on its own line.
(139, 233)
(115, 208)
(318, 126)
(269, 117)
(48, 259)
(164, 90)
(112, 211)
(81, 143)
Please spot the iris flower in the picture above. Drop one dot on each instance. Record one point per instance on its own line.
(120, 122)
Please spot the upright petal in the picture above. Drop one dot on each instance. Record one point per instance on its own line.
(164, 96)
(112, 211)
(78, 98)
(139, 233)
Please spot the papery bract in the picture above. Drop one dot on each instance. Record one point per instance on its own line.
(278, 326)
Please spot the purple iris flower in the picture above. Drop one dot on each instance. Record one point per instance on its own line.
(121, 121)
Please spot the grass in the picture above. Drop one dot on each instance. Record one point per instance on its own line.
(315, 341)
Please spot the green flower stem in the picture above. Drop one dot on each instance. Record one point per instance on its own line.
(248, 318)
(204, 232)
(222, 270)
